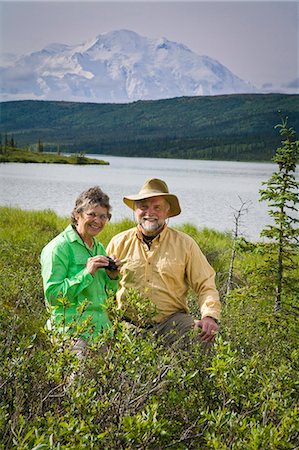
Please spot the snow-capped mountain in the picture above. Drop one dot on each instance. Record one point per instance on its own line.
(119, 67)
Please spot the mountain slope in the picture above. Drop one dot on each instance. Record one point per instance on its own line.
(119, 66)
(213, 127)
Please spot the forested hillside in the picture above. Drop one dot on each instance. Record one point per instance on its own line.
(229, 127)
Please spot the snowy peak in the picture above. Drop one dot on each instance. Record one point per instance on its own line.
(124, 41)
(117, 66)
(55, 48)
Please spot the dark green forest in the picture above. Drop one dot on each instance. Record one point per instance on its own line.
(227, 127)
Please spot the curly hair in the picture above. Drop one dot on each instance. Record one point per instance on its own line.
(93, 196)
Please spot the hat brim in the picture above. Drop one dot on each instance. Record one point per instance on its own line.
(175, 208)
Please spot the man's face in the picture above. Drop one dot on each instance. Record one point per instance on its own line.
(151, 214)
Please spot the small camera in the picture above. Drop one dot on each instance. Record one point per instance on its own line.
(111, 265)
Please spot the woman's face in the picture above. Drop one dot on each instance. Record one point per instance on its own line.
(91, 221)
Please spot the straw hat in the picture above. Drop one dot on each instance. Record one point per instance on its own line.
(153, 187)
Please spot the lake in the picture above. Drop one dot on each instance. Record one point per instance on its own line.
(209, 191)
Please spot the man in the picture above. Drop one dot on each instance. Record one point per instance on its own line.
(164, 263)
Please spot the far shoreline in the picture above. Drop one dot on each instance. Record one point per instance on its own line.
(15, 155)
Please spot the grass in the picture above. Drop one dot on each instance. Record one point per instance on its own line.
(27, 156)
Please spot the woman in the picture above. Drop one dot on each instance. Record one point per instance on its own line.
(77, 271)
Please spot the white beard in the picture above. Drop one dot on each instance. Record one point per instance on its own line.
(151, 226)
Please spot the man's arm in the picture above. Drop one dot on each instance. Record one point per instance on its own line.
(202, 280)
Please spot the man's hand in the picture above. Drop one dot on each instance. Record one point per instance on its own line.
(209, 328)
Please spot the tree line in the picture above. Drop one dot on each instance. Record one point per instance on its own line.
(239, 126)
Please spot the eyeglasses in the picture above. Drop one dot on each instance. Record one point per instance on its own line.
(102, 217)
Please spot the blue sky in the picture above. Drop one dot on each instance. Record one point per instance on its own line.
(256, 40)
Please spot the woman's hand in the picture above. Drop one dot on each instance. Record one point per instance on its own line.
(96, 262)
(114, 273)
(101, 262)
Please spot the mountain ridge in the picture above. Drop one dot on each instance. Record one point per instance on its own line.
(119, 66)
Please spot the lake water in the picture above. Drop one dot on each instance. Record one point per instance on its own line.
(208, 191)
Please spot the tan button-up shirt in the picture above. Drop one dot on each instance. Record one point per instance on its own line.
(166, 271)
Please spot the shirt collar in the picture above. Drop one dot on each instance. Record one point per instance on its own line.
(73, 235)
(158, 238)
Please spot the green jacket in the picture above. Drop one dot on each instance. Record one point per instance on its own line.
(64, 273)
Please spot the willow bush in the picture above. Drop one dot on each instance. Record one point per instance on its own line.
(130, 392)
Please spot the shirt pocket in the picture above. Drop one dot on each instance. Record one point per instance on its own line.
(170, 271)
(131, 268)
(77, 264)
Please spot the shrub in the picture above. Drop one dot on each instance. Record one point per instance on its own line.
(131, 392)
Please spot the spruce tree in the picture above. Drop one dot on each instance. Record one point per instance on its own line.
(40, 146)
(281, 193)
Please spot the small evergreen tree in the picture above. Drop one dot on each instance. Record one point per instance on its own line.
(40, 146)
(281, 192)
(12, 142)
(5, 141)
